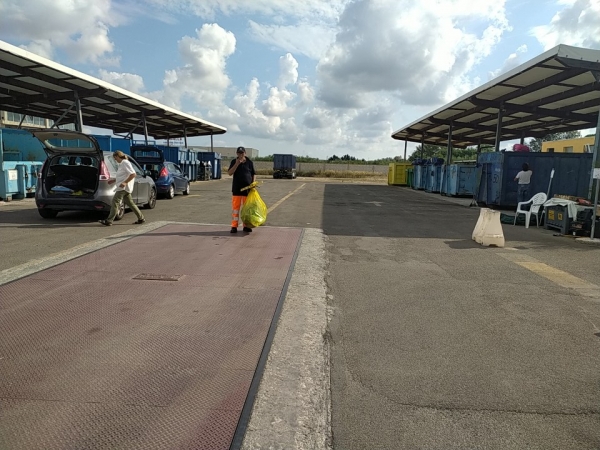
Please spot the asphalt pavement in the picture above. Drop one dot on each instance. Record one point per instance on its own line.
(412, 335)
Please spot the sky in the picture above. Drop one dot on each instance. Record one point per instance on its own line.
(309, 77)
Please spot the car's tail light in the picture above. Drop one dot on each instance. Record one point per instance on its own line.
(104, 175)
(163, 173)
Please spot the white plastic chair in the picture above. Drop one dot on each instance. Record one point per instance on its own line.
(536, 202)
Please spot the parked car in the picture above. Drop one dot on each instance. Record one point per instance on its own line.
(76, 173)
(168, 176)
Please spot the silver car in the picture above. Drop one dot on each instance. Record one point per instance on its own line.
(75, 176)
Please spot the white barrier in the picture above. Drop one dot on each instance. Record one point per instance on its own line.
(488, 230)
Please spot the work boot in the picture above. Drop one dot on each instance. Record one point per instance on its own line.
(105, 222)
(247, 230)
(233, 230)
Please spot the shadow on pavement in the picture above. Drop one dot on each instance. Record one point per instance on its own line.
(389, 211)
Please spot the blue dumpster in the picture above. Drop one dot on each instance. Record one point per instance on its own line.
(496, 172)
(215, 163)
(112, 144)
(21, 160)
(188, 163)
(459, 179)
(419, 174)
(434, 175)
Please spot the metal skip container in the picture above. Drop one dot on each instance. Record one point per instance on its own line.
(458, 180)
(214, 159)
(496, 172)
(398, 174)
(21, 160)
(419, 170)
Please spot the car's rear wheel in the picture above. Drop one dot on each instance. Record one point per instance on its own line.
(120, 211)
(152, 200)
(187, 190)
(47, 213)
(171, 192)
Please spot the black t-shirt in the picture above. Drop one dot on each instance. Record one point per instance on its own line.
(242, 177)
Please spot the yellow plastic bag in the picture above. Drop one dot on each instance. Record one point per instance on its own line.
(254, 211)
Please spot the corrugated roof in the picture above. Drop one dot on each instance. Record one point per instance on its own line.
(555, 92)
(30, 84)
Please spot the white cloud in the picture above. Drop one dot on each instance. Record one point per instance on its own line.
(306, 93)
(277, 102)
(513, 60)
(310, 39)
(208, 9)
(79, 27)
(577, 24)
(129, 81)
(203, 76)
(417, 50)
(274, 120)
(288, 70)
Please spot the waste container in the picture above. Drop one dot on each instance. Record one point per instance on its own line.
(410, 172)
(397, 174)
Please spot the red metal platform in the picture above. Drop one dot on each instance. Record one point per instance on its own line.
(91, 358)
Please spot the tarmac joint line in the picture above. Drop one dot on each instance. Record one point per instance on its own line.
(285, 198)
(557, 276)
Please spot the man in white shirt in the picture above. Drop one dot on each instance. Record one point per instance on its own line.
(125, 180)
(524, 178)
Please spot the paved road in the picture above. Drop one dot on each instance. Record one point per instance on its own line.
(436, 343)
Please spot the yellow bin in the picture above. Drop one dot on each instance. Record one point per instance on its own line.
(398, 174)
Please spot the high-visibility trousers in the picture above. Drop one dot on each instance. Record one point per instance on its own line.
(237, 201)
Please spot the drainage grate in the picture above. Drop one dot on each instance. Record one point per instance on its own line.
(157, 276)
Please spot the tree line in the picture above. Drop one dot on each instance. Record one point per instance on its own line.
(430, 151)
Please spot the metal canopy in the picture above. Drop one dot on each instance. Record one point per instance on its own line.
(555, 92)
(36, 86)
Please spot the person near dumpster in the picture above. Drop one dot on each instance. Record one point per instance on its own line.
(242, 170)
(524, 178)
(125, 180)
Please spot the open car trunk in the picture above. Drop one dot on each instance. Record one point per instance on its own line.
(65, 178)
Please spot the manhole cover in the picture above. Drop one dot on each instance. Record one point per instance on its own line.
(157, 276)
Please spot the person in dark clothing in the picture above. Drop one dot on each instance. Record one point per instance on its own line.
(242, 170)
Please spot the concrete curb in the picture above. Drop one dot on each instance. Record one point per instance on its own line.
(292, 409)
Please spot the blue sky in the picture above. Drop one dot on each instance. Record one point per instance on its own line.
(311, 77)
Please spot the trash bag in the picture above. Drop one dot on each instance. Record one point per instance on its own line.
(254, 211)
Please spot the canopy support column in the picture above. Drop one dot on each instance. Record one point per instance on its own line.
(211, 143)
(405, 146)
(446, 176)
(422, 145)
(449, 148)
(499, 127)
(184, 137)
(145, 128)
(595, 157)
(79, 121)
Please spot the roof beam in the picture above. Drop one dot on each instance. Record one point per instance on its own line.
(585, 89)
(556, 78)
(511, 107)
(45, 97)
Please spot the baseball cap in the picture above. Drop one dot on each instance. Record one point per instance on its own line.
(240, 150)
